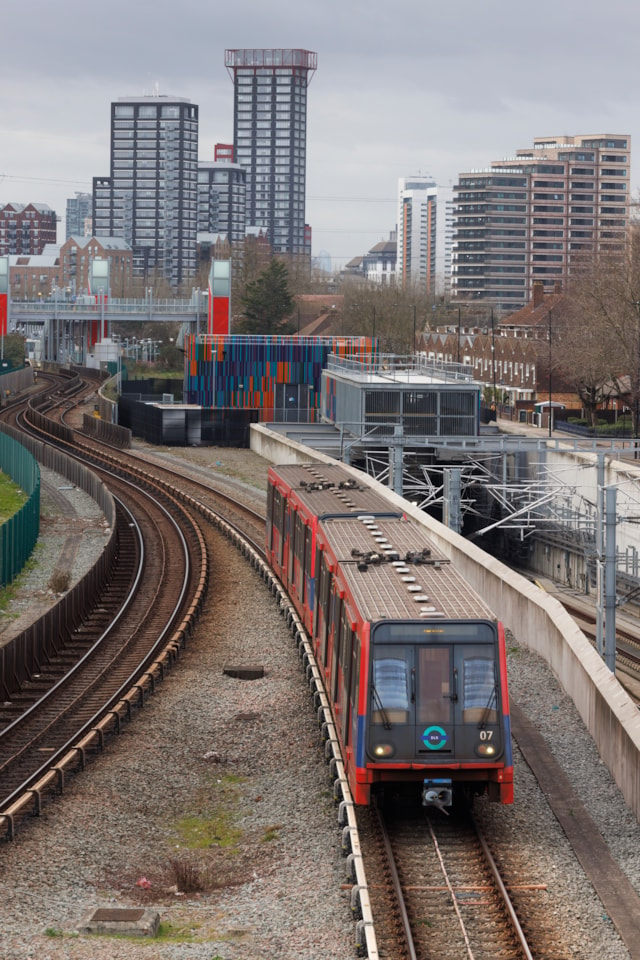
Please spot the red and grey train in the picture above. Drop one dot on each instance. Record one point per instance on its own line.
(413, 661)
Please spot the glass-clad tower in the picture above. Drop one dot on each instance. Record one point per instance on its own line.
(270, 139)
(150, 197)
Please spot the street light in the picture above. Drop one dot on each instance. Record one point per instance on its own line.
(493, 361)
(411, 306)
(636, 387)
(550, 401)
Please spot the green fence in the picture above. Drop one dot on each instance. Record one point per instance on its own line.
(18, 534)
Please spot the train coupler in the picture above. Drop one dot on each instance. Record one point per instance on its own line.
(437, 793)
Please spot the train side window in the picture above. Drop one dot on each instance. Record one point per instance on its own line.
(299, 551)
(270, 498)
(307, 558)
(323, 616)
(479, 691)
(346, 641)
(336, 625)
(292, 543)
(353, 694)
(434, 684)
(318, 591)
(279, 523)
(390, 691)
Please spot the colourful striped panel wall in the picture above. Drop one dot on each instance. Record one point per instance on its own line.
(243, 372)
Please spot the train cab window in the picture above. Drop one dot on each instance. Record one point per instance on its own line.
(479, 691)
(390, 691)
(434, 677)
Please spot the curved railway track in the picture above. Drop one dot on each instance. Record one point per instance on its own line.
(107, 661)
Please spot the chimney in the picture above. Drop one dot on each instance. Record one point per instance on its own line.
(538, 294)
(557, 289)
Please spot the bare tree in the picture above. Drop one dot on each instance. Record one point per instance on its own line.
(599, 338)
(388, 313)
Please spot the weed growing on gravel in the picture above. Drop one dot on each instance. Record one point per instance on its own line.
(59, 581)
(53, 932)
(190, 877)
(272, 833)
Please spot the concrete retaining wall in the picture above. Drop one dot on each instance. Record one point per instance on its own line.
(536, 619)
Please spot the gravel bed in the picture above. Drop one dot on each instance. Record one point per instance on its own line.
(206, 760)
(530, 843)
(82, 520)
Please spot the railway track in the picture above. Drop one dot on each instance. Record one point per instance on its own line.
(439, 893)
(627, 639)
(130, 631)
(124, 638)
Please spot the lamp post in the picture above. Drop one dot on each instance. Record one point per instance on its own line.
(493, 360)
(550, 401)
(459, 322)
(636, 386)
(411, 306)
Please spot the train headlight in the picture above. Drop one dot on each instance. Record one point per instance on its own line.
(485, 749)
(382, 751)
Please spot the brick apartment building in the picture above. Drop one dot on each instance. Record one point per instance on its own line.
(26, 228)
(76, 255)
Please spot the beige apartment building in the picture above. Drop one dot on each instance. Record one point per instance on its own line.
(532, 217)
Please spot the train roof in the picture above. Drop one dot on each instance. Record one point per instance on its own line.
(393, 570)
(325, 490)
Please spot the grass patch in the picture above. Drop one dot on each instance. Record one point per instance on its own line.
(213, 825)
(12, 497)
(172, 934)
(8, 592)
(209, 828)
(53, 932)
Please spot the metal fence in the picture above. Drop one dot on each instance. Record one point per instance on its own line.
(19, 533)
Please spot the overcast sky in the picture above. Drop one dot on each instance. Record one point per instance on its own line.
(415, 86)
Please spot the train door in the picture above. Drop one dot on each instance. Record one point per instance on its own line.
(433, 703)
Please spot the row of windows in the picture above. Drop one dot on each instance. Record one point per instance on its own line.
(167, 112)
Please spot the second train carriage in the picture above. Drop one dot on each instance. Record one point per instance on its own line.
(413, 661)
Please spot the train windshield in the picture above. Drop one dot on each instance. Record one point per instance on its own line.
(435, 697)
(396, 682)
(391, 690)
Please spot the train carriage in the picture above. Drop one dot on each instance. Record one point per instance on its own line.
(413, 661)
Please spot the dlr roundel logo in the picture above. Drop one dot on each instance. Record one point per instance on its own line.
(435, 738)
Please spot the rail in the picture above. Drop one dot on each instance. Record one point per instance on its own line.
(143, 310)
(396, 367)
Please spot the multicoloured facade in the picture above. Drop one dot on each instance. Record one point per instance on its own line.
(273, 376)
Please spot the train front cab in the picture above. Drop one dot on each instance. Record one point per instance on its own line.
(437, 709)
